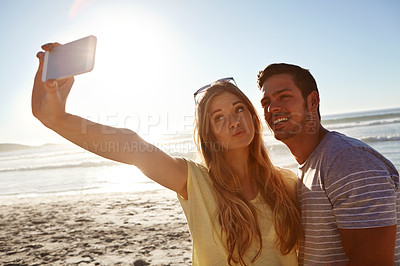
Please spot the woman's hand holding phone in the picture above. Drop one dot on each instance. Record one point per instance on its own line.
(49, 98)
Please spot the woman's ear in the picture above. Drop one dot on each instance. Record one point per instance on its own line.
(313, 101)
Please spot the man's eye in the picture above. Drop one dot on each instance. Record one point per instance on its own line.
(265, 104)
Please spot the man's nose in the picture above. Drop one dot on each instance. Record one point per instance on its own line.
(273, 107)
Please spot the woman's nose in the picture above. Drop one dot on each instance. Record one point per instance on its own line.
(233, 121)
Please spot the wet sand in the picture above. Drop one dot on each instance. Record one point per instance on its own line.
(97, 229)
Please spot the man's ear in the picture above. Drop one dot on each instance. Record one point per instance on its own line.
(313, 101)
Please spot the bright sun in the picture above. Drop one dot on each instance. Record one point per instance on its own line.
(135, 53)
(132, 42)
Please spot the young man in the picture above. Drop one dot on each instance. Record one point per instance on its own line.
(348, 192)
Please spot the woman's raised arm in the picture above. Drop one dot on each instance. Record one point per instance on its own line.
(48, 105)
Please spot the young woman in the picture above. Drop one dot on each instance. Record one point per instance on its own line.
(241, 209)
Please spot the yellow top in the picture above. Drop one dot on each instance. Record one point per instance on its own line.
(200, 210)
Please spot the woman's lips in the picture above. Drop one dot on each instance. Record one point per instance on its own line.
(239, 133)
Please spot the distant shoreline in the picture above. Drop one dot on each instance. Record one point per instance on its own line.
(357, 113)
(4, 147)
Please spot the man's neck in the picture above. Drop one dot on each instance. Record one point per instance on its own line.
(301, 146)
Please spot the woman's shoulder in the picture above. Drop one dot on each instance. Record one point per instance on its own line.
(196, 166)
(197, 171)
(289, 177)
(287, 173)
(198, 180)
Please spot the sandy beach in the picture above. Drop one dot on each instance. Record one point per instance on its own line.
(95, 229)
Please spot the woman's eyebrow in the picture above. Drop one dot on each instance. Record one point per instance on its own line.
(237, 102)
(233, 104)
(218, 110)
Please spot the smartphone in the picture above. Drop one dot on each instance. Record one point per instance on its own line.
(70, 59)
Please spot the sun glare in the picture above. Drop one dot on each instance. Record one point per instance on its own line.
(131, 45)
(78, 6)
(135, 51)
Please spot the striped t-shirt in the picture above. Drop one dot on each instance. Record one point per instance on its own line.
(348, 185)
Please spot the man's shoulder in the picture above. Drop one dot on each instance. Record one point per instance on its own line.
(344, 153)
(340, 151)
(339, 156)
(342, 146)
(330, 147)
(335, 144)
(338, 141)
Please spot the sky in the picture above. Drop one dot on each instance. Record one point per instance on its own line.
(152, 55)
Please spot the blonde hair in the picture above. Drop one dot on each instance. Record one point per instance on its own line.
(237, 215)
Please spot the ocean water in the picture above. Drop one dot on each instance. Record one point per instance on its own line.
(66, 169)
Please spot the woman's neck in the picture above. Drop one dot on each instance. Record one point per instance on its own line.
(239, 161)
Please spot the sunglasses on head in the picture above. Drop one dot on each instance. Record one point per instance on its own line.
(204, 88)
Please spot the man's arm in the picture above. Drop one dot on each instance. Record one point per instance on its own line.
(363, 193)
(371, 246)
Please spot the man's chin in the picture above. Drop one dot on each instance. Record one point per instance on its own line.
(283, 135)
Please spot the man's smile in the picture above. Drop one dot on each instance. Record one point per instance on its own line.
(280, 120)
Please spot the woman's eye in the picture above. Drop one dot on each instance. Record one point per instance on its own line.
(240, 109)
(219, 118)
